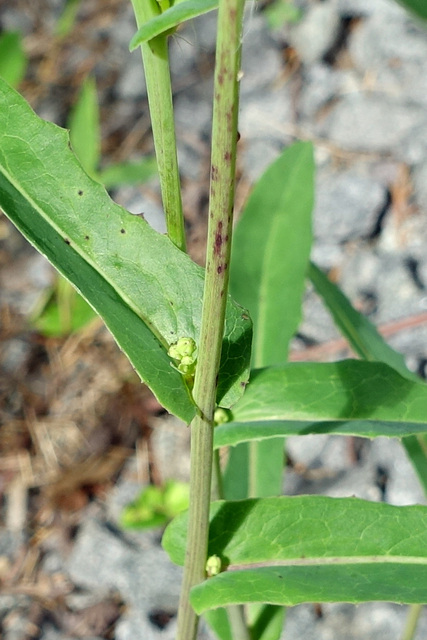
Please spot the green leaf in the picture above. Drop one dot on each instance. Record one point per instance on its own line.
(13, 61)
(128, 172)
(345, 390)
(290, 550)
(364, 338)
(84, 128)
(67, 18)
(147, 291)
(64, 312)
(234, 433)
(281, 12)
(362, 335)
(271, 248)
(417, 7)
(218, 621)
(266, 621)
(351, 397)
(171, 18)
(155, 506)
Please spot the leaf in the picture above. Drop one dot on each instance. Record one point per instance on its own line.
(364, 338)
(171, 18)
(271, 248)
(289, 550)
(218, 621)
(13, 61)
(281, 12)
(147, 291)
(359, 331)
(351, 397)
(266, 621)
(64, 312)
(84, 128)
(345, 390)
(417, 7)
(67, 19)
(155, 506)
(233, 433)
(128, 172)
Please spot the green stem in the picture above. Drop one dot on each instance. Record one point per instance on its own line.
(223, 162)
(412, 621)
(416, 448)
(155, 59)
(235, 613)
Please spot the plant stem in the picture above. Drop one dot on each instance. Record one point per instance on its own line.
(412, 621)
(223, 162)
(157, 76)
(235, 613)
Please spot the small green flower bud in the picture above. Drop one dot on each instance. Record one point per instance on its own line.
(173, 352)
(213, 566)
(187, 365)
(186, 346)
(221, 416)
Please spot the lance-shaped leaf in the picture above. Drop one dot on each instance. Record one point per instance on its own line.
(181, 11)
(362, 335)
(147, 291)
(271, 249)
(365, 339)
(289, 550)
(351, 397)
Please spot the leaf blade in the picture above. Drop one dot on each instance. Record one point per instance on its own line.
(271, 254)
(171, 18)
(359, 331)
(84, 128)
(344, 390)
(127, 272)
(289, 550)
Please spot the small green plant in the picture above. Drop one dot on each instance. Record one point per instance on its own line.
(156, 506)
(195, 347)
(13, 61)
(60, 310)
(281, 11)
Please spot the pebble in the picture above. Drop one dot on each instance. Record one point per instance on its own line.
(315, 33)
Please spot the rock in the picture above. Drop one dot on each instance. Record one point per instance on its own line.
(315, 33)
(104, 560)
(317, 324)
(388, 278)
(392, 48)
(420, 185)
(321, 84)
(259, 71)
(369, 7)
(265, 128)
(131, 83)
(347, 206)
(413, 146)
(371, 122)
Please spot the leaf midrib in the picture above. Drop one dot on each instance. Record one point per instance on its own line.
(331, 560)
(74, 246)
